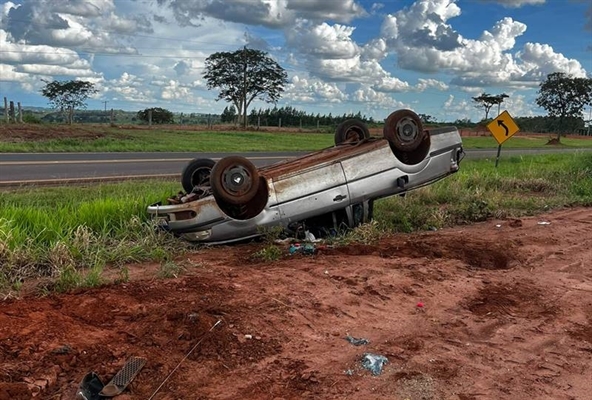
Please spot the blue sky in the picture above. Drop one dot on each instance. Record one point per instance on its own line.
(341, 55)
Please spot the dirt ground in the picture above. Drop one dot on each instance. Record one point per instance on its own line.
(473, 312)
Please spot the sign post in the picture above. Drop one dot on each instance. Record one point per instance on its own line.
(502, 128)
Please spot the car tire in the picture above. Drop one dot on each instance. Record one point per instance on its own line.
(351, 131)
(197, 173)
(234, 180)
(404, 130)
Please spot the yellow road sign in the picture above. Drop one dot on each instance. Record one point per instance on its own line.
(503, 127)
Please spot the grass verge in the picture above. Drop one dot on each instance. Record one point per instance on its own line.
(71, 235)
(59, 138)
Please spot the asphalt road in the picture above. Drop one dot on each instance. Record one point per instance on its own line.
(48, 168)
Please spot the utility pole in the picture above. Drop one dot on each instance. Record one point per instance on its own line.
(105, 103)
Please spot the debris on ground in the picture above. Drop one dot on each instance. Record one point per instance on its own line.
(90, 387)
(357, 341)
(374, 363)
(544, 223)
(307, 248)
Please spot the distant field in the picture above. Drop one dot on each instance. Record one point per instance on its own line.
(30, 138)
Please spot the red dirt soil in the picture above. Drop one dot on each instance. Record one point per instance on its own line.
(505, 313)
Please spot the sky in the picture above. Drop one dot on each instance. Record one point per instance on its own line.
(341, 56)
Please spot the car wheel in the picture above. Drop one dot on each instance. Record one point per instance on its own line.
(404, 130)
(197, 173)
(234, 180)
(351, 131)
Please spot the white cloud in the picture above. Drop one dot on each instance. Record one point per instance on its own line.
(341, 11)
(268, 13)
(305, 90)
(424, 41)
(372, 98)
(71, 23)
(515, 3)
(424, 84)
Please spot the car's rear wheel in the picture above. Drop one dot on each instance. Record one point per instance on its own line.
(351, 131)
(404, 130)
(197, 173)
(234, 180)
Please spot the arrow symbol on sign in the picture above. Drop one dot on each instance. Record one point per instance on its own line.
(501, 123)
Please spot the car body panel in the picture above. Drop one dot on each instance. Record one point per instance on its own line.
(332, 179)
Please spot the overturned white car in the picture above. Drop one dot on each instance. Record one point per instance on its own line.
(234, 200)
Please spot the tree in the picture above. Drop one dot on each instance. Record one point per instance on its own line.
(564, 97)
(426, 119)
(486, 101)
(159, 115)
(67, 96)
(228, 115)
(243, 76)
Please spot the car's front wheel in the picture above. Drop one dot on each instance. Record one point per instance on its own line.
(351, 131)
(404, 130)
(197, 173)
(234, 180)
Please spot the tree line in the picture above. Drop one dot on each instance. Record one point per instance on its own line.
(290, 116)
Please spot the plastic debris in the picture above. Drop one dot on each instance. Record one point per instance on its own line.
(357, 341)
(374, 363)
(498, 226)
(303, 249)
(90, 387)
(349, 372)
(544, 223)
(420, 305)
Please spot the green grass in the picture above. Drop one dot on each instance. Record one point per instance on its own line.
(103, 139)
(521, 142)
(520, 186)
(72, 235)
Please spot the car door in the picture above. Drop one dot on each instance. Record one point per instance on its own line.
(309, 192)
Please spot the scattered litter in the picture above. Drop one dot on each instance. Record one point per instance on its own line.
(357, 341)
(90, 387)
(326, 272)
(544, 223)
(349, 372)
(498, 226)
(309, 236)
(307, 249)
(374, 363)
(248, 336)
(420, 305)
(124, 377)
